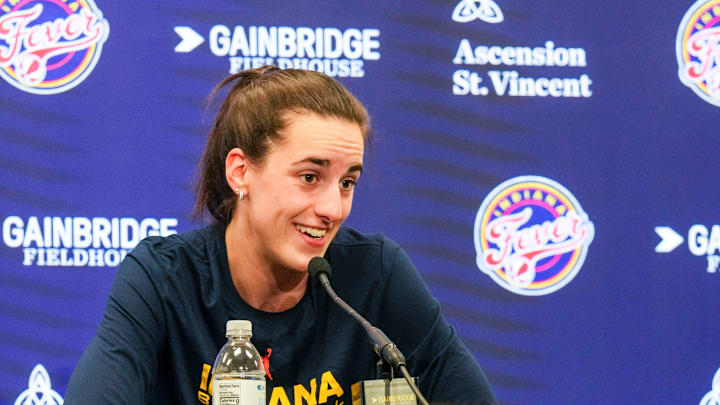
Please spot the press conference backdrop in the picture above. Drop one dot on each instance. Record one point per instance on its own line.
(550, 167)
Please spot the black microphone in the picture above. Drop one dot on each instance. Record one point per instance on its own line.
(383, 346)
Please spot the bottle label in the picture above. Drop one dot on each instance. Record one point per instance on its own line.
(238, 392)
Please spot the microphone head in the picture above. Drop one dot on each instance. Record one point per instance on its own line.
(318, 265)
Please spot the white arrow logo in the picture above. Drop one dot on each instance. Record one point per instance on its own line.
(670, 239)
(189, 39)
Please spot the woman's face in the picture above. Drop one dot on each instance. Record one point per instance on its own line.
(304, 191)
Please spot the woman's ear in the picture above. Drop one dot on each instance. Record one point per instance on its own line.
(236, 170)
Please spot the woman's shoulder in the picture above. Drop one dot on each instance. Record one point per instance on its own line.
(170, 252)
(350, 237)
(365, 250)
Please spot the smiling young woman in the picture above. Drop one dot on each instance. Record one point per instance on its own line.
(293, 207)
(277, 176)
(293, 144)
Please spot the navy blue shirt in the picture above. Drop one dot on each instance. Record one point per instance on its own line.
(164, 323)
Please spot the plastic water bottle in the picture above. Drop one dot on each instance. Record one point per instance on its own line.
(238, 375)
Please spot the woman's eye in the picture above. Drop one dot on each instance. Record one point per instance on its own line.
(347, 184)
(309, 178)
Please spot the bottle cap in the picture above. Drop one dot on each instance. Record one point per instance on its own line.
(238, 328)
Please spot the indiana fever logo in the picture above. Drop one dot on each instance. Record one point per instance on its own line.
(531, 235)
(49, 46)
(698, 50)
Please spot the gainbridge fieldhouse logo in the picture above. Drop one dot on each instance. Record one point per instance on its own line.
(49, 46)
(531, 235)
(698, 50)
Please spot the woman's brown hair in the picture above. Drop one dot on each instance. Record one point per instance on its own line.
(251, 118)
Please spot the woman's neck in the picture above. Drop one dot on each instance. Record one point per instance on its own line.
(259, 283)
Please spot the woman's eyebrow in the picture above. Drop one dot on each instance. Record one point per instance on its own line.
(326, 163)
(313, 160)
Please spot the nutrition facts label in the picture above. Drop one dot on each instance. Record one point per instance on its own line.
(238, 392)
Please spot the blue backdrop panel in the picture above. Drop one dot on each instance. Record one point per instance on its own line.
(596, 121)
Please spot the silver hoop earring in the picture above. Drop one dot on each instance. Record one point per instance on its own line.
(241, 195)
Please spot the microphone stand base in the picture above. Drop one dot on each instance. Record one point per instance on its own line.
(383, 392)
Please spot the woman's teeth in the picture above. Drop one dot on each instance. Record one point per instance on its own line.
(315, 233)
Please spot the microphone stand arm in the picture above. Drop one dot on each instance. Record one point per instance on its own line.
(382, 345)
